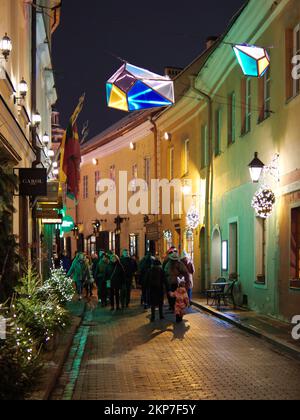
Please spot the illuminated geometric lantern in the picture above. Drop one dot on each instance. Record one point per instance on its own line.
(132, 89)
(253, 60)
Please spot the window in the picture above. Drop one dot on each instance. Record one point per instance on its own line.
(147, 166)
(295, 248)
(112, 174)
(218, 127)
(246, 106)
(133, 244)
(190, 243)
(134, 177)
(231, 117)
(171, 163)
(260, 251)
(85, 187)
(296, 51)
(264, 96)
(186, 156)
(97, 179)
(112, 242)
(204, 147)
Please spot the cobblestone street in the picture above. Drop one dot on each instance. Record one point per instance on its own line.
(119, 356)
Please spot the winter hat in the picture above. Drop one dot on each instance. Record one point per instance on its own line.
(174, 256)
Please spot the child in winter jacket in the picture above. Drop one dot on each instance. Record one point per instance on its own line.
(182, 300)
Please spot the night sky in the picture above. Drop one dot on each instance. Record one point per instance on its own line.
(151, 34)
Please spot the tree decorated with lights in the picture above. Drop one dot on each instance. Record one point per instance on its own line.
(193, 218)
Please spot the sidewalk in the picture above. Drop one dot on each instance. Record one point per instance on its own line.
(273, 331)
(53, 360)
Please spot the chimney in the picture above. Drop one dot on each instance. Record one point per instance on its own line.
(172, 72)
(210, 41)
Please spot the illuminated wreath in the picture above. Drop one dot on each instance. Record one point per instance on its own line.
(193, 218)
(263, 202)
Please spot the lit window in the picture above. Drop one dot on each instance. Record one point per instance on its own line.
(260, 250)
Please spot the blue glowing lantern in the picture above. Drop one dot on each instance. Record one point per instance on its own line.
(132, 88)
(253, 60)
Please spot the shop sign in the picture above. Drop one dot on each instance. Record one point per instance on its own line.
(33, 182)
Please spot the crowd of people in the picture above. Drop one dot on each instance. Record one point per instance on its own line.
(115, 278)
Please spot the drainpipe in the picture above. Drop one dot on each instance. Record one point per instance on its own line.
(209, 179)
(155, 132)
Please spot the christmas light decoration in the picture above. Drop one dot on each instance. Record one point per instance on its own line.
(193, 218)
(253, 60)
(132, 88)
(263, 202)
(167, 235)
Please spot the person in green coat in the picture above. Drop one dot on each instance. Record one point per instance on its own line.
(79, 272)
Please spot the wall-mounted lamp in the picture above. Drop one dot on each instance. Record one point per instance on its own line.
(95, 162)
(168, 136)
(23, 89)
(256, 167)
(55, 165)
(51, 153)
(132, 146)
(5, 46)
(55, 172)
(36, 119)
(187, 187)
(46, 138)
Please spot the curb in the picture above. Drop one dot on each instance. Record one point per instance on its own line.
(52, 382)
(280, 344)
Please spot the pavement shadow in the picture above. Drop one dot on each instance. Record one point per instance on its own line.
(180, 330)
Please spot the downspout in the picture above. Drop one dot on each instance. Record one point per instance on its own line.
(209, 179)
(155, 132)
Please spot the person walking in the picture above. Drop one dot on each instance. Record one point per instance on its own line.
(78, 272)
(65, 262)
(144, 267)
(174, 269)
(130, 267)
(88, 277)
(187, 261)
(181, 300)
(101, 275)
(117, 281)
(156, 285)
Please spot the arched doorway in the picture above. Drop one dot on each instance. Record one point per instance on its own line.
(202, 260)
(216, 254)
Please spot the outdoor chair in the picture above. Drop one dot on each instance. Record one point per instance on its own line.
(212, 293)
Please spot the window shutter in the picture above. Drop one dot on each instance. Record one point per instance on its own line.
(289, 35)
(243, 105)
(261, 99)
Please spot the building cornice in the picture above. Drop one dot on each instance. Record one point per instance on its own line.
(119, 143)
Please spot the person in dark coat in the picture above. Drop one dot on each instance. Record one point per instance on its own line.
(65, 262)
(174, 271)
(156, 286)
(117, 281)
(130, 267)
(144, 267)
(101, 277)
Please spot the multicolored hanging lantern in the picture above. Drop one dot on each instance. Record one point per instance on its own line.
(132, 89)
(263, 202)
(253, 60)
(193, 218)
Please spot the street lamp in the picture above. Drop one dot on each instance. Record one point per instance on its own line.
(187, 187)
(256, 167)
(168, 136)
(46, 138)
(5, 46)
(36, 119)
